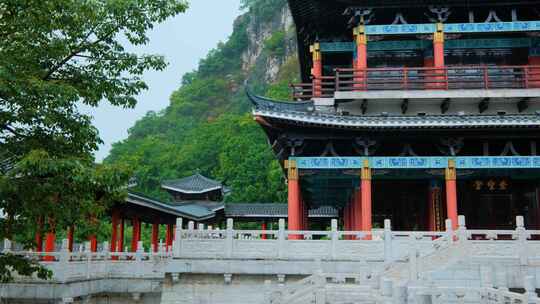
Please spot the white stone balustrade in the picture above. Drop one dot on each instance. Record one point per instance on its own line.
(422, 251)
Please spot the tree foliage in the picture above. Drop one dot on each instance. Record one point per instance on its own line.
(54, 56)
(206, 126)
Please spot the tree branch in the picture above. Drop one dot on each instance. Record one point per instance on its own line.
(76, 52)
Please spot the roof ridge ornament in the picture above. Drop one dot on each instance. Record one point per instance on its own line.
(359, 15)
(441, 14)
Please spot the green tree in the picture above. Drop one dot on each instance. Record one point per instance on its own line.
(54, 56)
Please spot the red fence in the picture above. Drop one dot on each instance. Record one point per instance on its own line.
(447, 78)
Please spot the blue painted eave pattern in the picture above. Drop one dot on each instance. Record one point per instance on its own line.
(428, 28)
(463, 162)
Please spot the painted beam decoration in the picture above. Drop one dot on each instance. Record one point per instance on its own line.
(428, 28)
(400, 45)
(465, 162)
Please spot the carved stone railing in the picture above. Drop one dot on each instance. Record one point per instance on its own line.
(402, 254)
(73, 266)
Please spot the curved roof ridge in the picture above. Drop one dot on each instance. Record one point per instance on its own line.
(193, 184)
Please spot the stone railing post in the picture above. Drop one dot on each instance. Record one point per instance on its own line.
(191, 228)
(64, 252)
(413, 258)
(105, 250)
(200, 230)
(229, 238)
(7, 246)
(281, 238)
(388, 254)
(88, 254)
(449, 231)
(140, 251)
(161, 249)
(530, 288)
(177, 243)
(334, 237)
(521, 241)
(462, 229)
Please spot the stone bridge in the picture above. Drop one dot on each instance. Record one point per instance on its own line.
(283, 266)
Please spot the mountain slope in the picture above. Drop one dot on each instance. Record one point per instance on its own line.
(207, 125)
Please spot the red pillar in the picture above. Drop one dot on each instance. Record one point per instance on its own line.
(92, 238)
(451, 193)
(121, 236)
(115, 218)
(169, 236)
(71, 232)
(534, 73)
(39, 236)
(50, 239)
(316, 70)
(438, 57)
(155, 236)
(93, 243)
(294, 211)
(434, 206)
(358, 210)
(366, 196)
(263, 227)
(136, 233)
(360, 58)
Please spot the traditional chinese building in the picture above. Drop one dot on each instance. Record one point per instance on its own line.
(415, 111)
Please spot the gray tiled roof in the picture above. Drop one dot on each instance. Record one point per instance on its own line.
(273, 210)
(302, 112)
(209, 205)
(393, 122)
(190, 211)
(192, 184)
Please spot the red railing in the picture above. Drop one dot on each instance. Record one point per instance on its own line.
(322, 87)
(447, 78)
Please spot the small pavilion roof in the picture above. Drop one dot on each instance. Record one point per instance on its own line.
(192, 210)
(194, 184)
(273, 210)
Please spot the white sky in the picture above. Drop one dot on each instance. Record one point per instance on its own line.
(183, 40)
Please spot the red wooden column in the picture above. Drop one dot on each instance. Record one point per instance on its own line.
(71, 232)
(534, 73)
(294, 208)
(169, 236)
(365, 187)
(316, 70)
(360, 58)
(115, 219)
(434, 206)
(92, 238)
(136, 233)
(121, 236)
(438, 57)
(50, 239)
(358, 209)
(155, 236)
(263, 227)
(39, 235)
(451, 193)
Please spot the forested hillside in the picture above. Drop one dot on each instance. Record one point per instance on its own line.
(207, 125)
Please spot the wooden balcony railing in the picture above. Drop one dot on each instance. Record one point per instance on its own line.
(447, 78)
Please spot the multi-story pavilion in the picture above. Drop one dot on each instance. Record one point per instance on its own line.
(412, 110)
